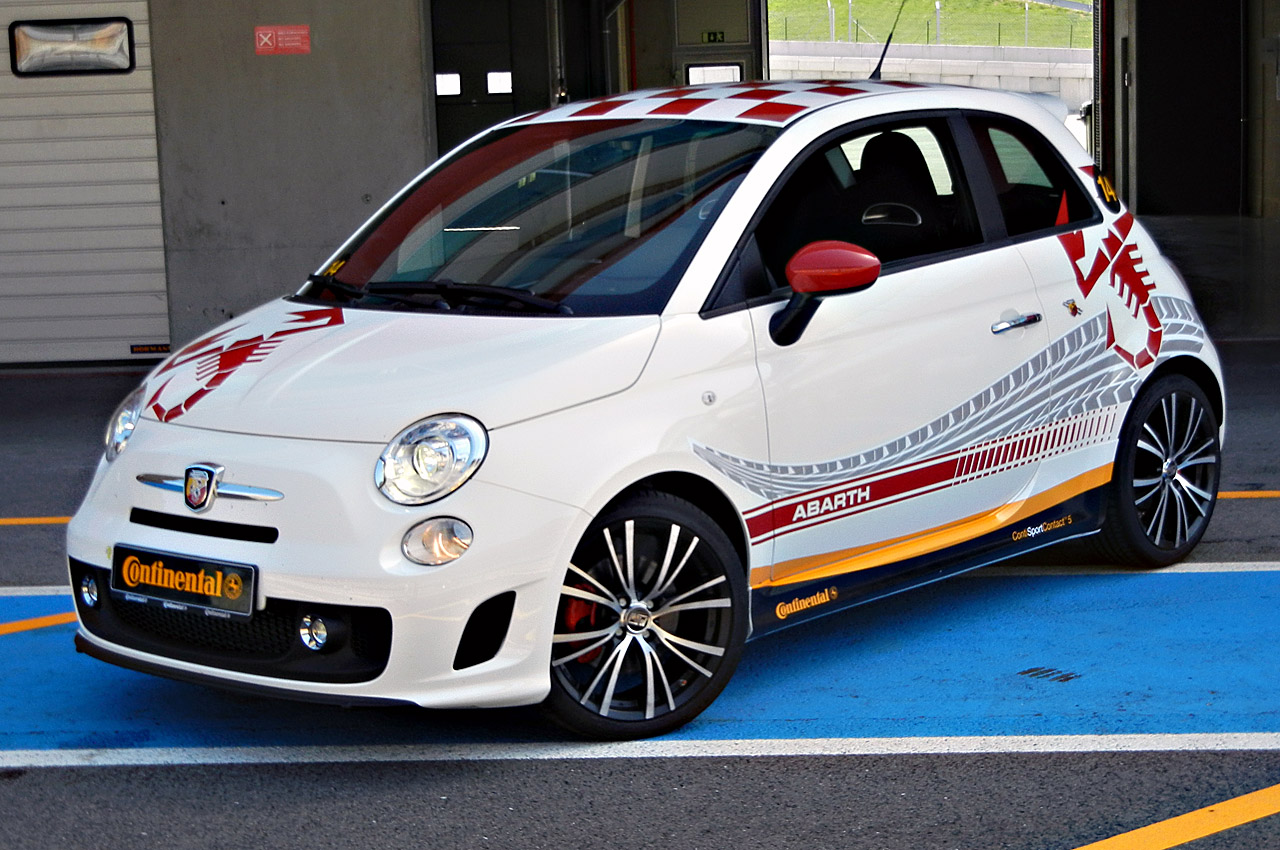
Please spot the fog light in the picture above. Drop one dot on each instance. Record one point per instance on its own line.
(89, 591)
(314, 632)
(437, 541)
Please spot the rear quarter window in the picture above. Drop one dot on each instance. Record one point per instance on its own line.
(1035, 188)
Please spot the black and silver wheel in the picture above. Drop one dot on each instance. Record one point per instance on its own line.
(1165, 482)
(651, 621)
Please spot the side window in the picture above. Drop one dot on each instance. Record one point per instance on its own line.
(894, 189)
(1035, 189)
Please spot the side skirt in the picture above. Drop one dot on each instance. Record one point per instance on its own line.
(775, 607)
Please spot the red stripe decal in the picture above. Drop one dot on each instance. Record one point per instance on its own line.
(773, 111)
(878, 489)
(680, 106)
(758, 94)
(604, 107)
(838, 91)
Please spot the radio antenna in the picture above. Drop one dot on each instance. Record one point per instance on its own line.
(875, 75)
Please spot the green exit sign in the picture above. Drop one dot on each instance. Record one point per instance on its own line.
(713, 37)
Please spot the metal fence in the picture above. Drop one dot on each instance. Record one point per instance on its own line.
(1029, 24)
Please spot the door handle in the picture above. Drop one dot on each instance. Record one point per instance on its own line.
(1020, 322)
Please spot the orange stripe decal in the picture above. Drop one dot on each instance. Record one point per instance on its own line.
(37, 623)
(874, 555)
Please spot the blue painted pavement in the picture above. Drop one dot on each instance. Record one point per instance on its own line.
(1139, 653)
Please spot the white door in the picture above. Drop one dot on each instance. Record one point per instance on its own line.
(908, 418)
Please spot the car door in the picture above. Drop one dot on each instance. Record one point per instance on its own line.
(904, 422)
(1100, 302)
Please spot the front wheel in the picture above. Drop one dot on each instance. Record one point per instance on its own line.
(1165, 482)
(651, 621)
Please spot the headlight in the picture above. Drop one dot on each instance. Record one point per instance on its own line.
(430, 459)
(122, 423)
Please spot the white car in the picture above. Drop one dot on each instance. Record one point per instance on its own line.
(613, 388)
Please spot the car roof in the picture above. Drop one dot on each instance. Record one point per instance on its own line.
(775, 103)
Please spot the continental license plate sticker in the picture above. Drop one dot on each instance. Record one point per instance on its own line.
(181, 583)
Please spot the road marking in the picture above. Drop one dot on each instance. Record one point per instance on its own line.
(43, 590)
(1192, 826)
(650, 749)
(1107, 570)
(36, 623)
(1249, 494)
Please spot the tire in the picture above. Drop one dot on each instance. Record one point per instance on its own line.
(651, 621)
(1165, 482)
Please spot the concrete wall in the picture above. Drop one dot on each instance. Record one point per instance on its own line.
(267, 162)
(1066, 73)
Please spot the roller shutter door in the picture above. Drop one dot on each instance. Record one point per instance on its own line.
(82, 273)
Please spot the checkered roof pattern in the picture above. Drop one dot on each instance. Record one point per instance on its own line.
(776, 103)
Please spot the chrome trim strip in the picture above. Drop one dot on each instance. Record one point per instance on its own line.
(225, 491)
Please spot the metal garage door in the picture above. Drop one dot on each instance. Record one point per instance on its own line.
(81, 250)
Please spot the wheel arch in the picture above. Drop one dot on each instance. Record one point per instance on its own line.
(709, 498)
(1199, 372)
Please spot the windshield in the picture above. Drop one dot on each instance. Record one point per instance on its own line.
(587, 217)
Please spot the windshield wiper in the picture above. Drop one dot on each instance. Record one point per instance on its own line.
(448, 289)
(358, 293)
(320, 282)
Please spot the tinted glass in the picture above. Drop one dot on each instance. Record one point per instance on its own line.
(600, 217)
(896, 190)
(1035, 188)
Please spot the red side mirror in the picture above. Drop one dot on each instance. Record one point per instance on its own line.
(829, 267)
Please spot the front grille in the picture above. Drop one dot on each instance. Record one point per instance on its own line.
(266, 644)
(267, 634)
(205, 527)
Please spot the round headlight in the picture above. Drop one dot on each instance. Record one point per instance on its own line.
(430, 459)
(122, 423)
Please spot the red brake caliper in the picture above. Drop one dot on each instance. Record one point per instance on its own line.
(575, 612)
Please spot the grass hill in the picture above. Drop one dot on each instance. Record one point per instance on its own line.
(1011, 23)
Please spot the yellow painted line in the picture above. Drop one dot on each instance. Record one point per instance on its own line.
(35, 520)
(36, 623)
(1196, 825)
(1249, 494)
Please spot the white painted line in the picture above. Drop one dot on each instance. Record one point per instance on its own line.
(753, 748)
(46, 590)
(1108, 570)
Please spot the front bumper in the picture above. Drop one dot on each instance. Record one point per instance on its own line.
(476, 632)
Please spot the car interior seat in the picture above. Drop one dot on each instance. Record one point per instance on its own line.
(899, 214)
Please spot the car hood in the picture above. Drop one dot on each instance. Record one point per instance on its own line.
(293, 369)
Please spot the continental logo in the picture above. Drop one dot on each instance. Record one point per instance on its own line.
(795, 606)
(1036, 530)
(216, 584)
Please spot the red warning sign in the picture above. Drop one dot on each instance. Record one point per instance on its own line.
(275, 40)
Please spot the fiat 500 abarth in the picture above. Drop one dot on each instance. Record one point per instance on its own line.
(612, 388)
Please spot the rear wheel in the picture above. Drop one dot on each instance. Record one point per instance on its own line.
(1165, 483)
(651, 621)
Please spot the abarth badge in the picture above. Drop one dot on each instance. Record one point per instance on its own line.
(200, 486)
